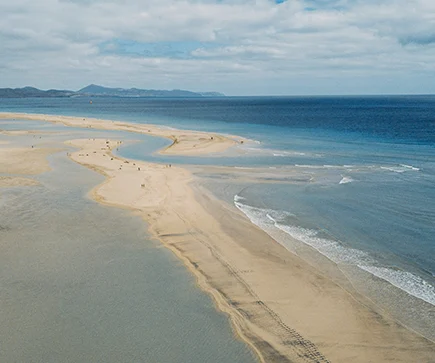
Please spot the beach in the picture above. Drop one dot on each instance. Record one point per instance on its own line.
(282, 306)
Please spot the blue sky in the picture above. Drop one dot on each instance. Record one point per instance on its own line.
(240, 47)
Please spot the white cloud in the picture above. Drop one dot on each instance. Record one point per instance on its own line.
(249, 46)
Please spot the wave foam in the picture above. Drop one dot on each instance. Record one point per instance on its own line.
(238, 198)
(402, 168)
(276, 152)
(410, 167)
(406, 281)
(323, 166)
(346, 180)
(273, 221)
(267, 219)
(329, 248)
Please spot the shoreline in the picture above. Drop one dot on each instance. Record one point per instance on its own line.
(222, 264)
(245, 276)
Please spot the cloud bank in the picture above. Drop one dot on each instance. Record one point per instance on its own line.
(238, 47)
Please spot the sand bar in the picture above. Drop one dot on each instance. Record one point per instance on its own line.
(184, 142)
(27, 161)
(278, 303)
(24, 161)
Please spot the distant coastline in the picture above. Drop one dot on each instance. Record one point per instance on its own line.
(99, 91)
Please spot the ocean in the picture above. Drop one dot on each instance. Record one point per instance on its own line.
(365, 200)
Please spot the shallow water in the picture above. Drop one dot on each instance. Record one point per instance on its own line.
(81, 282)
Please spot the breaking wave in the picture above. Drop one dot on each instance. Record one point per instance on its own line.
(412, 284)
(346, 180)
(401, 168)
(273, 221)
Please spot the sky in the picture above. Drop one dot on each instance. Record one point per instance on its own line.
(239, 47)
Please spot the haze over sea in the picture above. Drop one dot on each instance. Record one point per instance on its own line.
(368, 201)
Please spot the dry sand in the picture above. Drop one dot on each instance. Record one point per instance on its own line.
(278, 303)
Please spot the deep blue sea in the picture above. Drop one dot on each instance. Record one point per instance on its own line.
(370, 203)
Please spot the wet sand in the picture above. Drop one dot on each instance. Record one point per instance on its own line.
(29, 161)
(282, 306)
(9, 181)
(22, 161)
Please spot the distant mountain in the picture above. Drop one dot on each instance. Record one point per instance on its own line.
(211, 94)
(95, 90)
(100, 91)
(33, 92)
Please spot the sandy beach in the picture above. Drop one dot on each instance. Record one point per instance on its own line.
(279, 304)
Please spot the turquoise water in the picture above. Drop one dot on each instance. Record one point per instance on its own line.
(369, 205)
(80, 282)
